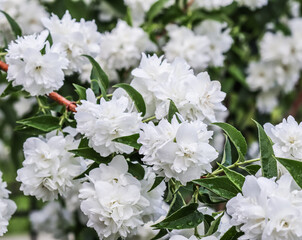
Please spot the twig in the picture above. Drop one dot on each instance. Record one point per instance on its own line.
(70, 106)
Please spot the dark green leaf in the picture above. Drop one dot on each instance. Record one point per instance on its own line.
(92, 166)
(221, 186)
(156, 9)
(294, 168)
(161, 234)
(268, 161)
(135, 96)
(172, 111)
(236, 138)
(231, 234)
(99, 75)
(81, 91)
(207, 222)
(177, 203)
(157, 181)
(227, 153)
(15, 27)
(186, 217)
(95, 87)
(236, 178)
(136, 170)
(129, 140)
(29, 130)
(251, 169)
(214, 225)
(44, 123)
(89, 153)
(10, 89)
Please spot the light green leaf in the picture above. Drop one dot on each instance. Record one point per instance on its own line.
(221, 186)
(44, 123)
(236, 178)
(99, 75)
(135, 96)
(129, 140)
(268, 161)
(14, 25)
(294, 168)
(214, 225)
(81, 91)
(186, 217)
(236, 137)
(155, 9)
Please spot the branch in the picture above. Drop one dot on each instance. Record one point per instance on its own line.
(70, 106)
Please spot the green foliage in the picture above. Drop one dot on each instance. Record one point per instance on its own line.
(294, 167)
(129, 140)
(157, 181)
(15, 27)
(227, 153)
(172, 111)
(89, 153)
(268, 161)
(236, 178)
(186, 217)
(135, 96)
(81, 91)
(45, 123)
(10, 90)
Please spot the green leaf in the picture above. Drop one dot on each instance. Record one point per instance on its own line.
(157, 181)
(294, 167)
(237, 73)
(155, 9)
(99, 75)
(128, 17)
(268, 161)
(44, 123)
(236, 137)
(221, 186)
(87, 171)
(89, 153)
(136, 170)
(214, 225)
(135, 96)
(172, 111)
(236, 178)
(231, 234)
(28, 130)
(129, 140)
(10, 89)
(81, 91)
(95, 87)
(186, 217)
(177, 203)
(251, 169)
(227, 153)
(15, 27)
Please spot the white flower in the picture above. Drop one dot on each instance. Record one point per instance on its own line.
(122, 47)
(37, 73)
(48, 168)
(112, 200)
(76, 39)
(287, 138)
(159, 82)
(101, 123)
(253, 4)
(267, 101)
(177, 150)
(211, 5)
(7, 207)
(267, 209)
(220, 39)
(179, 237)
(186, 44)
(53, 219)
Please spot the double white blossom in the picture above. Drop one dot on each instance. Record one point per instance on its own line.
(159, 81)
(253, 4)
(75, 38)
(211, 5)
(115, 201)
(48, 169)
(7, 207)
(37, 73)
(177, 150)
(267, 209)
(101, 123)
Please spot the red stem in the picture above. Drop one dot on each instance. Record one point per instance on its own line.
(71, 106)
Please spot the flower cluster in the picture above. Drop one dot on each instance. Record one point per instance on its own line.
(102, 123)
(279, 67)
(202, 47)
(267, 209)
(196, 97)
(36, 72)
(115, 202)
(48, 169)
(177, 150)
(7, 207)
